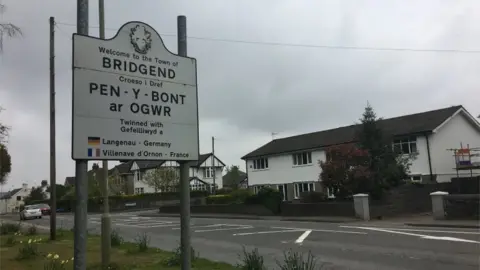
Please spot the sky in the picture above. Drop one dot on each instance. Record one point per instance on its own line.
(270, 66)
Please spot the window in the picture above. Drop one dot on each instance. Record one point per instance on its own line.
(19, 198)
(283, 190)
(260, 164)
(302, 158)
(414, 179)
(198, 187)
(300, 188)
(139, 190)
(406, 145)
(208, 172)
(137, 176)
(330, 192)
(256, 189)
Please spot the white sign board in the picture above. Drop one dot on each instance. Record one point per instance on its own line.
(133, 99)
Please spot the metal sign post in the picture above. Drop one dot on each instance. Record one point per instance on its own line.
(133, 99)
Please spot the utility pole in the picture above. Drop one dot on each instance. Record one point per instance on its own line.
(214, 190)
(185, 245)
(81, 167)
(106, 242)
(53, 170)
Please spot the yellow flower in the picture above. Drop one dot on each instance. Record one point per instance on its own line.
(21, 242)
(72, 258)
(29, 241)
(49, 255)
(63, 262)
(56, 256)
(66, 261)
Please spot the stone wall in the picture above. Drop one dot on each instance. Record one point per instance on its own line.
(344, 209)
(235, 209)
(462, 206)
(405, 200)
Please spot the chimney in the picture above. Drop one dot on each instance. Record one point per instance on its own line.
(25, 186)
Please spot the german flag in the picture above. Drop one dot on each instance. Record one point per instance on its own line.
(93, 140)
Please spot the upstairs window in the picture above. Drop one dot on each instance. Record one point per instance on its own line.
(405, 145)
(260, 164)
(208, 172)
(302, 158)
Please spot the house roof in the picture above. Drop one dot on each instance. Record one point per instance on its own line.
(70, 180)
(418, 123)
(123, 167)
(8, 195)
(203, 157)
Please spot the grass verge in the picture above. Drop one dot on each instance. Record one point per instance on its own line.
(18, 253)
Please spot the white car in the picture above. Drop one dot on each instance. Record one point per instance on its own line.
(31, 211)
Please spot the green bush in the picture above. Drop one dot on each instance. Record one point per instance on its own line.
(270, 198)
(293, 260)
(251, 260)
(240, 195)
(313, 197)
(9, 228)
(219, 199)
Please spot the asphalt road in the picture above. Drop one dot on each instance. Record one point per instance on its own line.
(337, 246)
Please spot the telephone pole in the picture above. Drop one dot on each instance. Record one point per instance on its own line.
(53, 180)
(106, 242)
(214, 190)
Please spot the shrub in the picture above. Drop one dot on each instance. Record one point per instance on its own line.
(240, 195)
(10, 241)
(219, 199)
(142, 241)
(251, 260)
(268, 197)
(28, 250)
(32, 230)
(9, 228)
(115, 238)
(176, 258)
(295, 261)
(313, 197)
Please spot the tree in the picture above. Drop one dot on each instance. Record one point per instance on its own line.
(233, 177)
(5, 164)
(162, 178)
(36, 194)
(61, 191)
(388, 168)
(7, 29)
(368, 166)
(346, 170)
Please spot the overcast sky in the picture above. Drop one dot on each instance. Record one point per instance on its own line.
(247, 91)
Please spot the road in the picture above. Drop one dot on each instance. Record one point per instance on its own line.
(337, 246)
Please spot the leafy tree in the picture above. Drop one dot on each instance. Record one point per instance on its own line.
(368, 166)
(388, 168)
(7, 29)
(5, 164)
(61, 191)
(161, 178)
(346, 170)
(233, 177)
(36, 194)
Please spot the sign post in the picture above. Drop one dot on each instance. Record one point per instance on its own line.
(133, 99)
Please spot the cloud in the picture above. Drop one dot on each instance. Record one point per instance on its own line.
(248, 90)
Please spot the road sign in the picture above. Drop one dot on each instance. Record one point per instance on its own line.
(133, 99)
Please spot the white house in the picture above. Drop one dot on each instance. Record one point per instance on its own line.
(201, 175)
(12, 200)
(292, 164)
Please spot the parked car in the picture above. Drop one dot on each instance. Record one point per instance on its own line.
(31, 211)
(45, 208)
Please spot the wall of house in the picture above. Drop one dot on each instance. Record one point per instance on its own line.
(12, 204)
(282, 171)
(457, 130)
(420, 165)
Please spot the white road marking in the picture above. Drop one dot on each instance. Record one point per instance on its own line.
(422, 230)
(205, 226)
(265, 232)
(225, 229)
(302, 237)
(319, 230)
(422, 236)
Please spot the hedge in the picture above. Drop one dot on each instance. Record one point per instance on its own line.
(94, 201)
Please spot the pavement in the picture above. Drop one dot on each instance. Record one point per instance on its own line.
(354, 245)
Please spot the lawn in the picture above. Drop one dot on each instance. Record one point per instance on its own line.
(17, 253)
